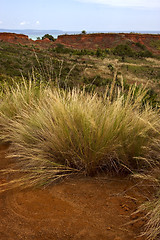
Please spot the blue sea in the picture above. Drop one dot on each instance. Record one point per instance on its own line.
(34, 34)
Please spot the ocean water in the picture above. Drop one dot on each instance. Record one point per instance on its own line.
(34, 34)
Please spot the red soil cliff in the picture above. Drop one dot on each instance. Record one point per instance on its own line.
(89, 41)
(105, 40)
(24, 40)
(14, 38)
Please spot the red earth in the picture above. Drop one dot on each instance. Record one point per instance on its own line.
(107, 40)
(84, 208)
(89, 41)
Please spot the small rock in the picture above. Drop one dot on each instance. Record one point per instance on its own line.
(109, 228)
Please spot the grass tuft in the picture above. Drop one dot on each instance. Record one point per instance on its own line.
(62, 131)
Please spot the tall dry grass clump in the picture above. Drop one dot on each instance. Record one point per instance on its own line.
(57, 132)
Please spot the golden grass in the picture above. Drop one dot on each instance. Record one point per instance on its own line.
(55, 133)
(50, 127)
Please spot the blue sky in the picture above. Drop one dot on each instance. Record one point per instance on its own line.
(72, 15)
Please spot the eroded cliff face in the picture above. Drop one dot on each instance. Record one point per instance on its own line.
(24, 40)
(89, 41)
(105, 40)
(14, 38)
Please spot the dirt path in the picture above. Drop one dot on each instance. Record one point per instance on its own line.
(77, 209)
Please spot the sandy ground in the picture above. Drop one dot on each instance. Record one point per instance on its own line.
(99, 208)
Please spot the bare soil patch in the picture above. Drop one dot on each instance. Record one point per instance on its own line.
(99, 208)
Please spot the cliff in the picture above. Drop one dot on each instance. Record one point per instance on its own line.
(90, 41)
(106, 40)
(14, 38)
(24, 40)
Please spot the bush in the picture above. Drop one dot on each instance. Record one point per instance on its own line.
(123, 50)
(60, 48)
(99, 52)
(141, 46)
(145, 53)
(83, 32)
(50, 37)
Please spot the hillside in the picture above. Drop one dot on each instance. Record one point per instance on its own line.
(94, 68)
(78, 134)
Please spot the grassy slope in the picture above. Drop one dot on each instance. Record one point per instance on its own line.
(16, 59)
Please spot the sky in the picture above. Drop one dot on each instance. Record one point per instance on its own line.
(78, 15)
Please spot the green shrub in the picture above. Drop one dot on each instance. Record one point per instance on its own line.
(111, 68)
(60, 48)
(50, 37)
(141, 46)
(83, 32)
(145, 53)
(99, 52)
(155, 44)
(123, 50)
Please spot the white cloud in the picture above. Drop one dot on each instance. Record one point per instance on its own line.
(1, 22)
(24, 23)
(126, 3)
(37, 22)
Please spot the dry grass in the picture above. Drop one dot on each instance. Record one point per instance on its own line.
(53, 128)
(56, 133)
(152, 230)
(152, 206)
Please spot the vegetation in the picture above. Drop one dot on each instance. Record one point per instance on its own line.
(126, 50)
(152, 206)
(64, 131)
(155, 44)
(50, 37)
(141, 46)
(84, 32)
(76, 115)
(120, 50)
